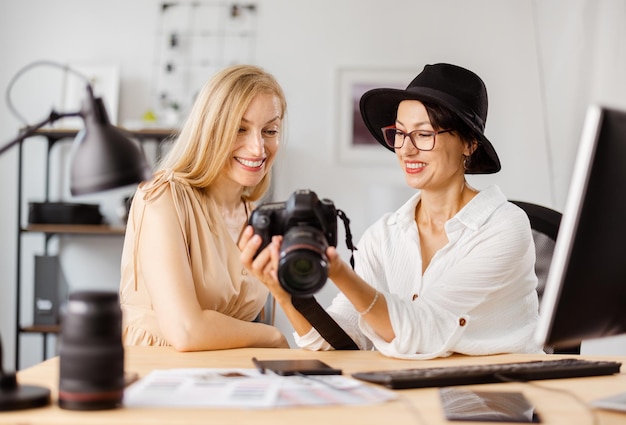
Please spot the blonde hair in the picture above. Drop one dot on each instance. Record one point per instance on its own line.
(204, 144)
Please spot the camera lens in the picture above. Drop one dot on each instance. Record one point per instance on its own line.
(303, 266)
(91, 355)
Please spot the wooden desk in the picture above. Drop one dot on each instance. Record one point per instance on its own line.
(418, 406)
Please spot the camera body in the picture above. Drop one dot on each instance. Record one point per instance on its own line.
(308, 226)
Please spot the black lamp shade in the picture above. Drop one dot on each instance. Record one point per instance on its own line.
(104, 157)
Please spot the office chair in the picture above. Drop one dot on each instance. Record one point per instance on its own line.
(268, 313)
(545, 224)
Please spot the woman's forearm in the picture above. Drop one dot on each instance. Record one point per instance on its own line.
(300, 324)
(216, 331)
(366, 300)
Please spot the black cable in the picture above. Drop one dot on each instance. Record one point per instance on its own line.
(31, 65)
(346, 224)
(544, 102)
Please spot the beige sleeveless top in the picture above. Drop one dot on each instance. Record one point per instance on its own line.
(210, 258)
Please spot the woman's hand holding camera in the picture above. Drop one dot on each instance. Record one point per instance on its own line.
(265, 265)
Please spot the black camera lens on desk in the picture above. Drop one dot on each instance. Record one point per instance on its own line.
(91, 354)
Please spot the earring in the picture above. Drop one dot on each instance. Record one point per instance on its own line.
(466, 160)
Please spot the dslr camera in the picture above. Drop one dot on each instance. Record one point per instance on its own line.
(308, 226)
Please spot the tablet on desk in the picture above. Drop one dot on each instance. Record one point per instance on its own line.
(295, 367)
(488, 406)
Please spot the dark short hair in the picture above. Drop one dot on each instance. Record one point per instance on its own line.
(443, 118)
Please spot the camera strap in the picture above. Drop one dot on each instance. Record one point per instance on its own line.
(346, 224)
(323, 323)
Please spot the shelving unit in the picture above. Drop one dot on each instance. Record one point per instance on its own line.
(195, 39)
(53, 136)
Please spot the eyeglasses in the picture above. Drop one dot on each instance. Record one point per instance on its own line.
(423, 140)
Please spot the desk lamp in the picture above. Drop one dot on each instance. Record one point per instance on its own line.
(103, 155)
(14, 396)
(103, 158)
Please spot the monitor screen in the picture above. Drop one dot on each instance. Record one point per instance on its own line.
(585, 294)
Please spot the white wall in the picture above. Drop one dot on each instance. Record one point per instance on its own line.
(535, 57)
(82, 32)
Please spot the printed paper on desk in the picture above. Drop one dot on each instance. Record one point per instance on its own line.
(203, 388)
(247, 389)
(325, 390)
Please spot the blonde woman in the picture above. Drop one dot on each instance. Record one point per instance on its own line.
(183, 283)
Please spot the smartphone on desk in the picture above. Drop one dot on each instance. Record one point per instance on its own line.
(295, 367)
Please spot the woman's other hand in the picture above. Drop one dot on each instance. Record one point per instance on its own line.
(265, 265)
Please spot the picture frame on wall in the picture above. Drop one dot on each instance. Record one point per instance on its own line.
(356, 144)
(105, 83)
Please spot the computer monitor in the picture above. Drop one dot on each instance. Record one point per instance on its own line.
(585, 293)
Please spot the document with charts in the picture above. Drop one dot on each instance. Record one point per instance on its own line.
(248, 389)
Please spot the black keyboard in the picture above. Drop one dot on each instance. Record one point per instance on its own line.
(489, 373)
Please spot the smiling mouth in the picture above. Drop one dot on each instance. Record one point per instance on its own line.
(414, 165)
(249, 163)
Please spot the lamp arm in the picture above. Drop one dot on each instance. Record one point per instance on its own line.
(31, 129)
(8, 381)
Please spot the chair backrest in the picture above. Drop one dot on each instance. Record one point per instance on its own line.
(544, 223)
(268, 313)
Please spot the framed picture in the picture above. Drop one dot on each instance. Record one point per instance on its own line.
(356, 144)
(105, 82)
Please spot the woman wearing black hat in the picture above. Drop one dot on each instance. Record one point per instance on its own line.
(452, 270)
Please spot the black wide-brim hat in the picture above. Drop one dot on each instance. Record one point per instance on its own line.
(450, 86)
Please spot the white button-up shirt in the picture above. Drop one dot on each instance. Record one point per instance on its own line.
(477, 296)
